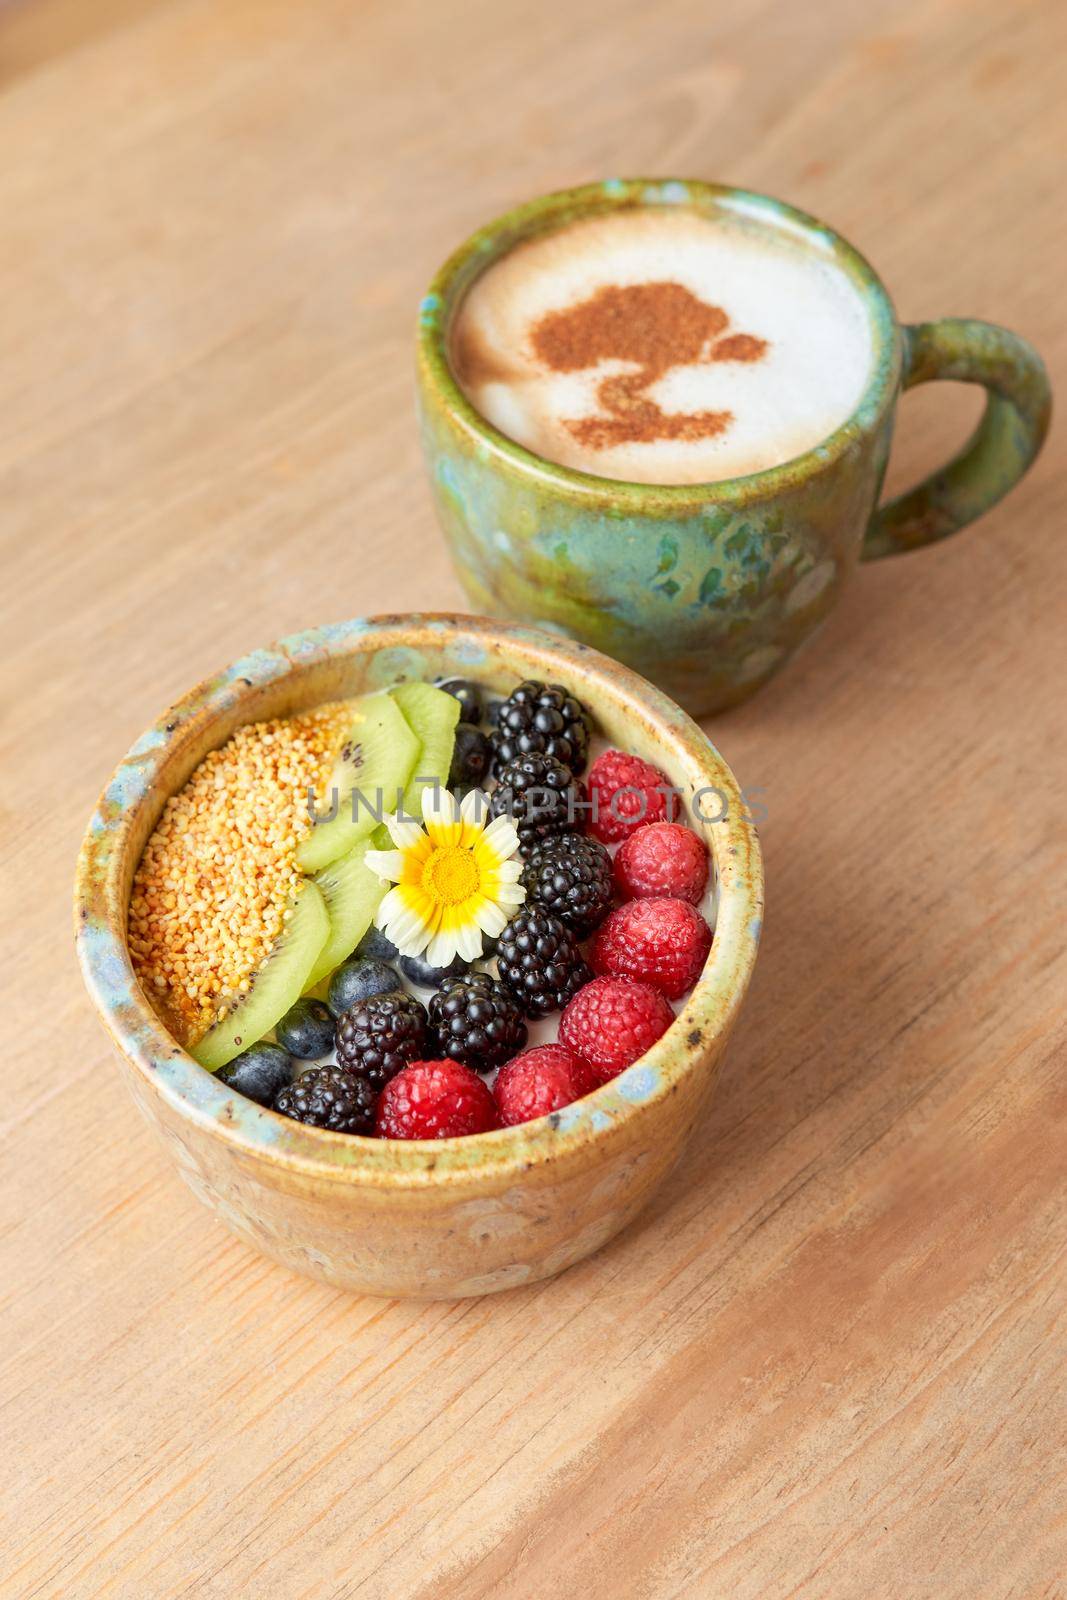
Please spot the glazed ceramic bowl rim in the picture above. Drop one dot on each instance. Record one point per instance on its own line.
(165, 1069)
(490, 242)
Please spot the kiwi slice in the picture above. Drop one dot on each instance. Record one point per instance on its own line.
(376, 760)
(278, 983)
(352, 893)
(432, 716)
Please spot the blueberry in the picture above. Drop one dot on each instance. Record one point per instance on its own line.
(307, 1030)
(258, 1072)
(469, 696)
(420, 972)
(376, 947)
(356, 980)
(471, 757)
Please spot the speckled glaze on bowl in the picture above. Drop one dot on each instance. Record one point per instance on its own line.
(709, 589)
(428, 1219)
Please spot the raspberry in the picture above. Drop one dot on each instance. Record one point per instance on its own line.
(539, 1081)
(435, 1100)
(664, 858)
(662, 942)
(613, 1021)
(625, 794)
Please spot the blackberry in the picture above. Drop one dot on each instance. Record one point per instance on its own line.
(572, 877)
(540, 795)
(540, 719)
(329, 1097)
(478, 1021)
(540, 962)
(381, 1035)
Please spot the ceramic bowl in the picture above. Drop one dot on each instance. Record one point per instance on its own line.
(422, 1218)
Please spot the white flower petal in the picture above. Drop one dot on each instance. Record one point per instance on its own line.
(405, 835)
(415, 946)
(408, 932)
(440, 812)
(439, 805)
(509, 871)
(390, 906)
(492, 919)
(394, 912)
(511, 894)
(474, 807)
(469, 941)
(502, 836)
(387, 864)
(442, 948)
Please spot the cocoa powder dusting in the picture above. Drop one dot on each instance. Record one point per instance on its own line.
(656, 326)
(738, 347)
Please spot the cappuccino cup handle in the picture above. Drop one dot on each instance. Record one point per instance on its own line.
(998, 453)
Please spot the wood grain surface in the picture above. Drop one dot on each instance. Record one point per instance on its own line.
(830, 1361)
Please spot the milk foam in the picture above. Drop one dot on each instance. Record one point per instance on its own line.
(801, 311)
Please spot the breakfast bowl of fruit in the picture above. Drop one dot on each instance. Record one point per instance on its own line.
(420, 939)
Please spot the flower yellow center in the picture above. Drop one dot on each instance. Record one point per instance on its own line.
(450, 875)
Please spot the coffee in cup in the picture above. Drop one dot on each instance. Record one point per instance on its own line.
(656, 415)
(664, 345)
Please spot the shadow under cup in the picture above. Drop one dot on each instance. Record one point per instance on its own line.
(708, 589)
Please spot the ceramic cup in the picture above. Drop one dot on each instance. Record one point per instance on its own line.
(421, 1218)
(708, 589)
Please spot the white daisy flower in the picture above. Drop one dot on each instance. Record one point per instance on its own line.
(456, 878)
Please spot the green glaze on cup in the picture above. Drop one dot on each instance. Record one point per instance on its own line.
(452, 1217)
(709, 588)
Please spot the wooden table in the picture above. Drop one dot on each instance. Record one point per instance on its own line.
(830, 1361)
